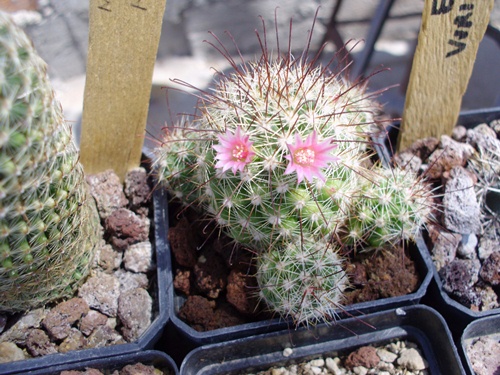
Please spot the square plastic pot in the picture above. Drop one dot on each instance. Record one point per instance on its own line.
(487, 326)
(154, 358)
(160, 311)
(451, 309)
(419, 324)
(181, 338)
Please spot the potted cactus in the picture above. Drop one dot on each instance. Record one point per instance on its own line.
(278, 155)
(51, 236)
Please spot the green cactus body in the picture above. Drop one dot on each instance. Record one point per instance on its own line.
(48, 222)
(304, 281)
(277, 155)
(392, 207)
(273, 104)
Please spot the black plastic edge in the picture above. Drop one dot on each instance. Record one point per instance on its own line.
(486, 326)
(154, 358)
(419, 323)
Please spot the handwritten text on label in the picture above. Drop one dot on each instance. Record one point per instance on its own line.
(462, 22)
(106, 5)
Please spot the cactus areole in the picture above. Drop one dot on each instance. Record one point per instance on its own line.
(277, 154)
(48, 221)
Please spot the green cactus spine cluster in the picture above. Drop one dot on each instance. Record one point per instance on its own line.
(48, 221)
(278, 154)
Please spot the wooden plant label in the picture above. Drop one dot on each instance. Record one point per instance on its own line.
(449, 37)
(123, 43)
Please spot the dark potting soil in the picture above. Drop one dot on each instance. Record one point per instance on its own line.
(217, 279)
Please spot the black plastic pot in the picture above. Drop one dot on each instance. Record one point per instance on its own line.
(488, 326)
(180, 338)
(451, 309)
(148, 338)
(419, 324)
(159, 360)
(437, 297)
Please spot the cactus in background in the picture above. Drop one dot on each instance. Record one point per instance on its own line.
(278, 155)
(48, 221)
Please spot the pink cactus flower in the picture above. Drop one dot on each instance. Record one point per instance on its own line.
(234, 151)
(309, 156)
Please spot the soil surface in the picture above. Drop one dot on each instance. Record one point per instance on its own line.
(217, 279)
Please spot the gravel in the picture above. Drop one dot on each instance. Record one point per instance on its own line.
(398, 357)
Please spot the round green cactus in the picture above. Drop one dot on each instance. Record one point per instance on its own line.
(271, 153)
(392, 207)
(48, 221)
(304, 281)
(278, 155)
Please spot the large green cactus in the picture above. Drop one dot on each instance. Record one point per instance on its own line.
(48, 221)
(278, 155)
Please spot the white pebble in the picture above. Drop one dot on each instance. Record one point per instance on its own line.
(287, 352)
(386, 355)
(315, 370)
(360, 370)
(320, 362)
(279, 371)
(411, 359)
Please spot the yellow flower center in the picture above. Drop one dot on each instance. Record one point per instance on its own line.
(240, 152)
(305, 156)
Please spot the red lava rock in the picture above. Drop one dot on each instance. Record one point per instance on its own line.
(38, 343)
(138, 191)
(490, 271)
(183, 243)
(365, 356)
(422, 148)
(92, 320)
(388, 274)
(241, 292)
(59, 320)
(198, 312)
(204, 315)
(124, 228)
(210, 274)
(231, 253)
(138, 368)
(107, 190)
(182, 282)
(357, 274)
(450, 154)
(89, 371)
